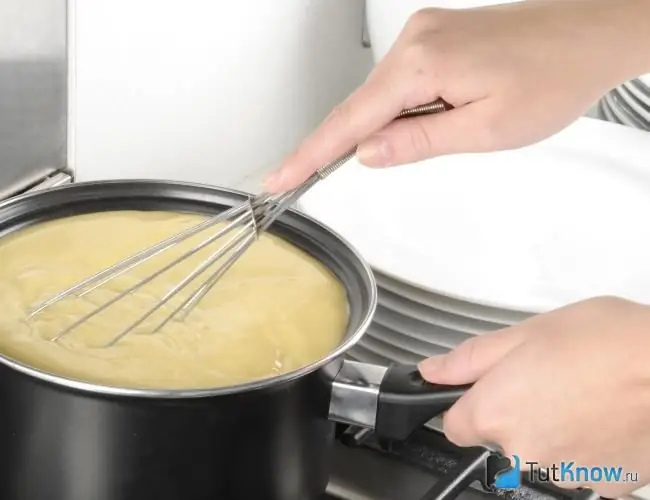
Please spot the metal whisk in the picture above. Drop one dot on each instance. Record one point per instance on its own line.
(247, 221)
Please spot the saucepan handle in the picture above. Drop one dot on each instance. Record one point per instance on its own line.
(393, 401)
(407, 401)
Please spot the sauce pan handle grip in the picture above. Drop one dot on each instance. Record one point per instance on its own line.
(406, 401)
(392, 401)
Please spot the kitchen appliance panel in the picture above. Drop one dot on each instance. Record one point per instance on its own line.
(33, 92)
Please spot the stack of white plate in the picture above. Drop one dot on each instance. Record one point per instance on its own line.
(412, 323)
(467, 244)
(628, 104)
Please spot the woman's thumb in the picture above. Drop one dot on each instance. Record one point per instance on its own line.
(471, 359)
(458, 130)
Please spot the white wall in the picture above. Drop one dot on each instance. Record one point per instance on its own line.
(31, 29)
(204, 90)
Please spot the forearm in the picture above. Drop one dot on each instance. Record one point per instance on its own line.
(616, 35)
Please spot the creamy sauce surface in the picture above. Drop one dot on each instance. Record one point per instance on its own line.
(276, 310)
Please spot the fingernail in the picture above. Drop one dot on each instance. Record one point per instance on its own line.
(273, 181)
(375, 153)
(431, 365)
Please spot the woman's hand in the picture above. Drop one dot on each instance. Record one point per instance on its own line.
(516, 74)
(572, 385)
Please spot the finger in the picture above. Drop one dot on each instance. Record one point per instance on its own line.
(458, 423)
(465, 423)
(366, 111)
(466, 129)
(473, 358)
(471, 422)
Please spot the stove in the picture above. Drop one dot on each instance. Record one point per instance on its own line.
(427, 467)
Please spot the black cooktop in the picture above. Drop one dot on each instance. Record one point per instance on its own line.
(426, 467)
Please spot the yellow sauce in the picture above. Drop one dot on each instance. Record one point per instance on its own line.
(276, 310)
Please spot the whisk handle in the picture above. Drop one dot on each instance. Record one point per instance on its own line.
(431, 108)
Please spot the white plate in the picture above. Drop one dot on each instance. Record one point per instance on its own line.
(448, 304)
(530, 229)
(607, 112)
(416, 329)
(640, 92)
(645, 79)
(615, 112)
(640, 108)
(359, 353)
(390, 352)
(619, 111)
(600, 112)
(424, 346)
(434, 317)
(627, 107)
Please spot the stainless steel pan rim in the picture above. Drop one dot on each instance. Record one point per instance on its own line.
(21, 210)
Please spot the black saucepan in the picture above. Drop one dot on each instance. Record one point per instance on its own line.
(63, 439)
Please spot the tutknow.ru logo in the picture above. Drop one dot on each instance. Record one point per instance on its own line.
(510, 477)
